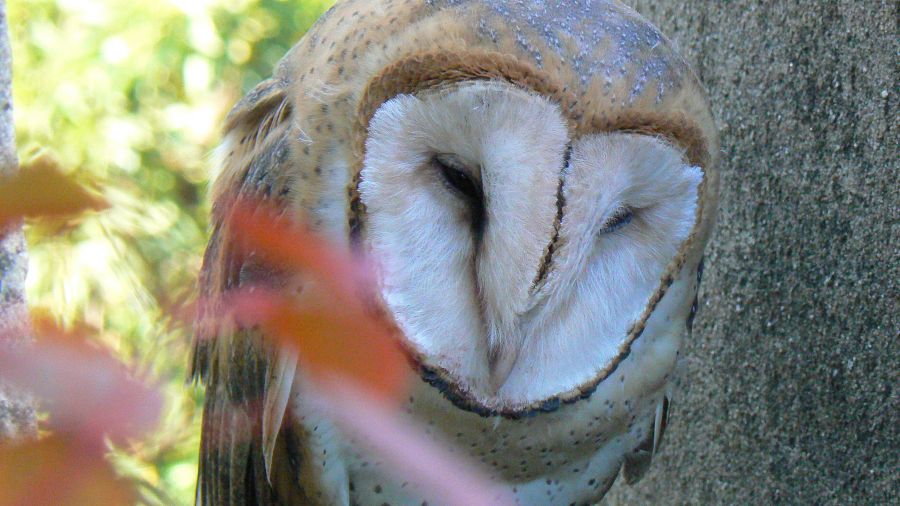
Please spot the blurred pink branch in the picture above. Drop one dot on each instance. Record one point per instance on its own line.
(413, 455)
(85, 390)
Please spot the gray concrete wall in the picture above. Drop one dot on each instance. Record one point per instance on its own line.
(790, 392)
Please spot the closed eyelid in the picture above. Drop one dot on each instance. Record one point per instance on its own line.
(454, 161)
(620, 217)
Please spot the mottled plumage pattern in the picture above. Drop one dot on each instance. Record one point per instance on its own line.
(298, 141)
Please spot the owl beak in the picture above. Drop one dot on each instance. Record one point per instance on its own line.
(501, 363)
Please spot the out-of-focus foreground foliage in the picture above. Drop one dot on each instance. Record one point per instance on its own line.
(129, 96)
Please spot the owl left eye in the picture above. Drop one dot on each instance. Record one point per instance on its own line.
(619, 219)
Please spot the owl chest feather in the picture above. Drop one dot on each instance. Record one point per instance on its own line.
(570, 455)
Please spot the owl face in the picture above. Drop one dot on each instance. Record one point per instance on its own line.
(516, 256)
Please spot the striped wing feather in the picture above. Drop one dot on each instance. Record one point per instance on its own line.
(637, 462)
(244, 457)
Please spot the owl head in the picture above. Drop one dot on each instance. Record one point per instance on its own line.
(535, 181)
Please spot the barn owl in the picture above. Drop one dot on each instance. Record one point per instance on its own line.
(536, 182)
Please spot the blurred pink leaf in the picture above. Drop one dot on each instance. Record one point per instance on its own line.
(330, 337)
(86, 391)
(89, 396)
(42, 190)
(327, 322)
(59, 471)
(281, 241)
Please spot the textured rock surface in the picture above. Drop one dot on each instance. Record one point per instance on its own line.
(790, 386)
(16, 413)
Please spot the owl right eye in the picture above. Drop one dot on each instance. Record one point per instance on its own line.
(456, 177)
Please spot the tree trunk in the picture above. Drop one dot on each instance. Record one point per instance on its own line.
(16, 410)
(790, 389)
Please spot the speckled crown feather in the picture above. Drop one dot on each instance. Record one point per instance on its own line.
(607, 67)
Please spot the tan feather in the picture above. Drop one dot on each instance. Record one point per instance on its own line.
(248, 384)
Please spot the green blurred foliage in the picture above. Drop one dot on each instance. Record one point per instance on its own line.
(129, 96)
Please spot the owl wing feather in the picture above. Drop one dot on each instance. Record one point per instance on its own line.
(244, 457)
(637, 462)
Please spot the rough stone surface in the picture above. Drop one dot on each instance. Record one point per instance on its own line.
(790, 382)
(16, 412)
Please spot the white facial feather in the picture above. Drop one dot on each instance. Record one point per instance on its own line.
(464, 299)
(456, 295)
(601, 282)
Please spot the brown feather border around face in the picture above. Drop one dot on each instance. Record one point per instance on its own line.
(432, 70)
